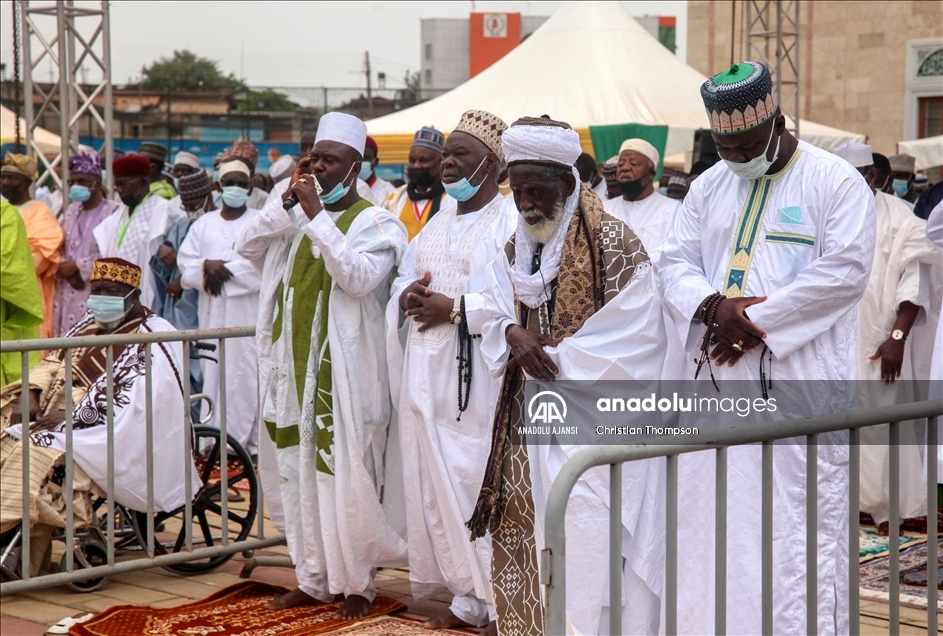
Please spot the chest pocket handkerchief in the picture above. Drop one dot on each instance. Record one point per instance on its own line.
(791, 214)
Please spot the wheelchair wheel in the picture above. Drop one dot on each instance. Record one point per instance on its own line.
(207, 511)
(93, 553)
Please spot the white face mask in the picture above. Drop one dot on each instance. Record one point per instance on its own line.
(758, 166)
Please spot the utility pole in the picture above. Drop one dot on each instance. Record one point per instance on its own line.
(369, 90)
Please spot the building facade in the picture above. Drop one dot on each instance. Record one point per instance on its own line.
(874, 68)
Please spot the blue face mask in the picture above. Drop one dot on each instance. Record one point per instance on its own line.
(234, 196)
(663, 191)
(365, 171)
(107, 309)
(462, 190)
(176, 184)
(79, 193)
(901, 186)
(338, 192)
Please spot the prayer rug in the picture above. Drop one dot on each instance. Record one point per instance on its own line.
(403, 625)
(874, 579)
(237, 609)
(871, 545)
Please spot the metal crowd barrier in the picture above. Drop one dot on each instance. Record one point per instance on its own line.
(553, 559)
(71, 573)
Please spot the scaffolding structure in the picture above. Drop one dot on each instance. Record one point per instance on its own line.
(68, 50)
(772, 37)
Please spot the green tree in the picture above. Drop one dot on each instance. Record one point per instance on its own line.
(185, 71)
(269, 101)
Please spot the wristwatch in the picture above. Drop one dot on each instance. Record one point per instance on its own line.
(898, 335)
(456, 316)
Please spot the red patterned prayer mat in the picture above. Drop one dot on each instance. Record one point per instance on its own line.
(237, 609)
(403, 625)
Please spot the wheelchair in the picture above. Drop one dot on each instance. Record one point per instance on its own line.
(89, 544)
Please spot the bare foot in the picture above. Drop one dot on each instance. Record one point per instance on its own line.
(884, 529)
(490, 630)
(294, 598)
(354, 607)
(445, 620)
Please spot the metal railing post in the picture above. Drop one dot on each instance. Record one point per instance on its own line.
(69, 464)
(893, 530)
(223, 444)
(766, 532)
(671, 545)
(720, 537)
(811, 534)
(110, 423)
(854, 559)
(932, 501)
(615, 549)
(149, 441)
(25, 561)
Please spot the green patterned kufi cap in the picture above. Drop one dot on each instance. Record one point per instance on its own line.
(739, 99)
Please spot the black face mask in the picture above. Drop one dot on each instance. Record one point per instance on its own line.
(132, 201)
(11, 192)
(421, 177)
(631, 189)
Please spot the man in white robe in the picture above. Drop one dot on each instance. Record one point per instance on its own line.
(137, 229)
(446, 437)
(649, 213)
(229, 297)
(572, 297)
(897, 297)
(111, 278)
(327, 267)
(785, 231)
(380, 189)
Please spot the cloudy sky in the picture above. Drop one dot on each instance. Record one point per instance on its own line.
(304, 44)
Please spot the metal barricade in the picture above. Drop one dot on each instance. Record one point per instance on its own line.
(553, 558)
(187, 552)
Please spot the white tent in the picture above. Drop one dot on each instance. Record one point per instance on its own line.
(590, 64)
(928, 151)
(50, 144)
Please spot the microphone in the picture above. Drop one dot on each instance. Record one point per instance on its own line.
(292, 199)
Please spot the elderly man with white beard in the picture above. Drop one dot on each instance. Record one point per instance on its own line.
(573, 297)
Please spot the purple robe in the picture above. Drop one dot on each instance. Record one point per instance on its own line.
(79, 246)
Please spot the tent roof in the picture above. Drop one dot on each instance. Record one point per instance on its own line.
(590, 64)
(50, 144)
(928, 151)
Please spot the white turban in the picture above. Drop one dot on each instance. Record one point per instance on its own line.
(541, 144)
(283, 167)
(342, 128)
(858, 155)
(184, 158)
(642, 147)
(233, 166)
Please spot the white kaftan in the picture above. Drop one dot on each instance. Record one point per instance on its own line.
(625, 340)
(935, 234)
(211, 237)
(90, 433)
(651, 219)
(804, 237)
(337, 531)
(902, 256)
(444, 460)
(137, 241)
